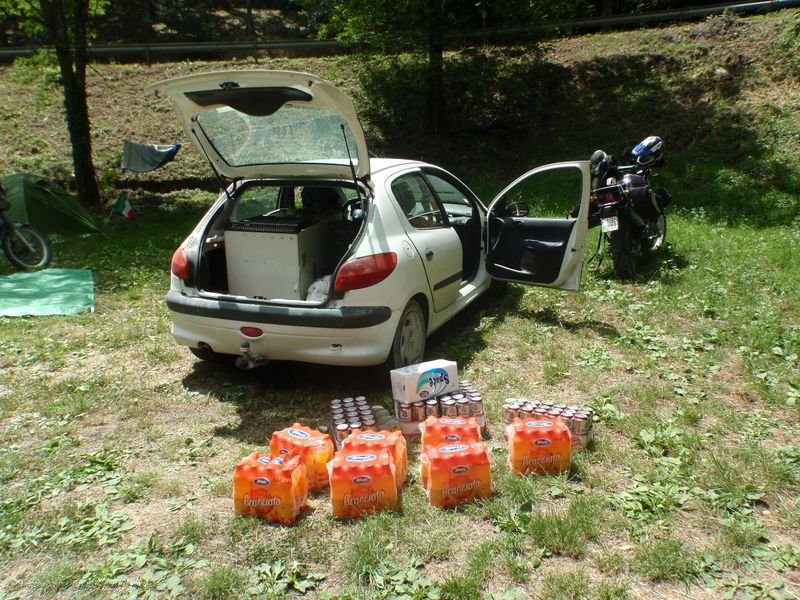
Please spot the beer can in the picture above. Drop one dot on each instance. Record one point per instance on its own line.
(342, 431)
(588, 417)
(404, 412)
(581, 424)
(336, 402)
(368, 422)
(581, 440)
(449, 408)
(432, 408)
(540, 411)
(339, 421)
(360, 399)
(569, 422)
(418, 411)
(509, 413)
(463, 407)
(475, 407)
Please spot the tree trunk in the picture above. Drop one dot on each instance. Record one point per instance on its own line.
(435, 104)
(71, 54)
(249, 24)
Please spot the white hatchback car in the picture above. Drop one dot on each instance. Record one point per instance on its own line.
(318, 253)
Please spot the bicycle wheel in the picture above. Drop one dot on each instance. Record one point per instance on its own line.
(26, 248)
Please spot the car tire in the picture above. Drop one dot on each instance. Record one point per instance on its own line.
(408, 345)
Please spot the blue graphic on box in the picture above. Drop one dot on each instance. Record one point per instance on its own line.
(435, 380)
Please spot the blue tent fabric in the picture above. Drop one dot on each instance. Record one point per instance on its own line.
(47, 292)
(141, 158)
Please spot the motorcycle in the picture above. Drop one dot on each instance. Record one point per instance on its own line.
(628, 210)
(23, 245)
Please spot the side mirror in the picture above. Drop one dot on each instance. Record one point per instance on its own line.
(518, 209)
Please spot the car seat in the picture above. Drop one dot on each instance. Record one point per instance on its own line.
(405, 197)
(320, 201)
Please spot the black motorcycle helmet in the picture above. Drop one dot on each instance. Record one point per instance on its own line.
(649, 152)
(600, 164)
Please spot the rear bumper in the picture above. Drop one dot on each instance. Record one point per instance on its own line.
(348, 317)
(347, 336)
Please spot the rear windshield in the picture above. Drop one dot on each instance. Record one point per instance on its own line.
(293, 134)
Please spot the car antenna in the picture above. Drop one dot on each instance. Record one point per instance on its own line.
(352, 166)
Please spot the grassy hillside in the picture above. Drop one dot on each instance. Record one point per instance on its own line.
(117, 447)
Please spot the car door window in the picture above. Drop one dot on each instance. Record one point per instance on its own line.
(453, 199)
(546, 249)
(417, 202)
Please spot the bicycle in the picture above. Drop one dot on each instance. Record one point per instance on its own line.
(23, 245)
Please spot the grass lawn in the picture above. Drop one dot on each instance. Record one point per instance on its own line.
(117, 447)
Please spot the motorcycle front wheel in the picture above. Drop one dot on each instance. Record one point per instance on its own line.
(656, 234)
(26, 248)
(622, 251)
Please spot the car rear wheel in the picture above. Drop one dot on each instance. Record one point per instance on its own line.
(408, 346)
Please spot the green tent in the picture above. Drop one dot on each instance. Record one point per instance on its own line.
(46, 206)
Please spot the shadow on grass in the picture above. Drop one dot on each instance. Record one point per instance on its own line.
(661, 266)
(281, 393)
(718, 159)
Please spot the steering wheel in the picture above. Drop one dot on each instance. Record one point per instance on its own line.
(349, 208)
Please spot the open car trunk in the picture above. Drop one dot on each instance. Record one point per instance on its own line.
(279, 242)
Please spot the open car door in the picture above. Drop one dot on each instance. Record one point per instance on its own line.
(544, 251)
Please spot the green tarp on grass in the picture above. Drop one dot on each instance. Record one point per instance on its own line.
(48, 292)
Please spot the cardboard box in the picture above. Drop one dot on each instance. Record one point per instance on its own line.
(425, 380)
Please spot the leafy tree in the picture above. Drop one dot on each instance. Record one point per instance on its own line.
(424, 27)
(65, 25)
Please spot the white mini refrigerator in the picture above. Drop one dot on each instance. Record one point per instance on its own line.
(273, 265)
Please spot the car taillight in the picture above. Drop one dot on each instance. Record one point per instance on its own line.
(180, 264)
(365, 271)
(251, 332)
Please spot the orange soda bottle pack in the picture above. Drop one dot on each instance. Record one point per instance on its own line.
(313, 447)
(454, 463)
(542, 446)
(362, 483)
(392, 442)
(270, 488)
(455, 473)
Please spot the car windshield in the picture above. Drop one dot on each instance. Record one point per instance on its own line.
(293, 134)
